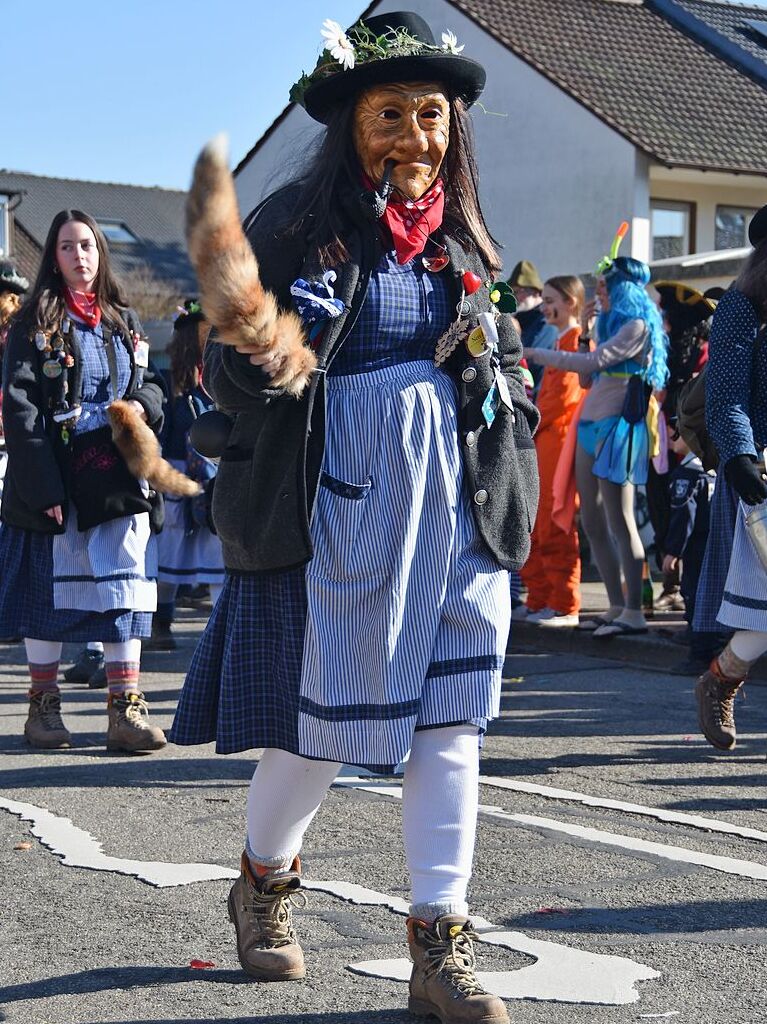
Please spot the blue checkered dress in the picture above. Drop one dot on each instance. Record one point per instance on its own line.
(36, 600)
(400, 620)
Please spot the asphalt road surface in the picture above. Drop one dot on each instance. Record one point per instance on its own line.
(620, 874)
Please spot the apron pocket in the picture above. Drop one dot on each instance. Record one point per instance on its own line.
(347, 545)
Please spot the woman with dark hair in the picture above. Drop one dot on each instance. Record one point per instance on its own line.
(74, 347)
(374, 490)
(611, 454)
(188, 552)
(736, 418)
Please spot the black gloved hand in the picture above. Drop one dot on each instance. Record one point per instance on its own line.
(746, 477)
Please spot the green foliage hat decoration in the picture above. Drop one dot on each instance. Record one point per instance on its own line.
(397, 47)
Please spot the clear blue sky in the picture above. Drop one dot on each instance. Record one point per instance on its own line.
(129, 90)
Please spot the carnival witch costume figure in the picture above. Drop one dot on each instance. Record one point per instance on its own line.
(379, 479)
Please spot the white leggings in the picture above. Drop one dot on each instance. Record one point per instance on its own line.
(45, 652)
(748, 645)
(439, 813)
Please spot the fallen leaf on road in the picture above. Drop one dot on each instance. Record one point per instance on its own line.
(201, 965)
(552, 910)
(23, 846)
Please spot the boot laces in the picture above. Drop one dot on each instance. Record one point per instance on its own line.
(453, 958)
(49, 711)
(272, 915)
(723, 703)
(134, 709)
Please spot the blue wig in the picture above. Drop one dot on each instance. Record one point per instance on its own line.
(625, 282)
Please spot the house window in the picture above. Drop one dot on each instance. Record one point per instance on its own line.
(732, 226)
(672, 228)
(116, 231)
(5, 240)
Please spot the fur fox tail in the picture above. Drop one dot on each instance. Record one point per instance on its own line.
(231, 293)
(141, 451)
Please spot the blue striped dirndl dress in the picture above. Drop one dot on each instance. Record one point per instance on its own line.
(744, 603)
(98, 584)
(400, 621)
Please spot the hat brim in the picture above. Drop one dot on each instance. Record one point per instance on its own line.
(693, 309)
(17, 287)
(462, 77)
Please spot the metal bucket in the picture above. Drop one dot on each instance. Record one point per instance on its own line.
(756, 525)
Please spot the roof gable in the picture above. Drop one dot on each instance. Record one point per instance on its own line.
(665, 91)
(154, 215)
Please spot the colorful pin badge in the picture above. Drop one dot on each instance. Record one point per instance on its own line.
(471, 282)
(52, 368)
(502, 297)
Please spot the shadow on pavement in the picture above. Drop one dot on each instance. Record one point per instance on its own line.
(670, 918)
(117, 770)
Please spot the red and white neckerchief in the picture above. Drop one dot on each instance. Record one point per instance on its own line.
(411, 221)
(83, 305)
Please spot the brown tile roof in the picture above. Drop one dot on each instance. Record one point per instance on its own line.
(662, 88)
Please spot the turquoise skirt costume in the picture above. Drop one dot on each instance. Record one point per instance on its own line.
(401, 619)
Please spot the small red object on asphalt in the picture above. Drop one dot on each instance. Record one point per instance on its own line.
(201, 965)
(471, 282)
(552, 910)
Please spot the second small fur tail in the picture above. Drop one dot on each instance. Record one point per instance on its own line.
(141, 451)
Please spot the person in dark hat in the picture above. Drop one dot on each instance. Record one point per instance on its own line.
(526, 283)
(368, 513)
(686, 318)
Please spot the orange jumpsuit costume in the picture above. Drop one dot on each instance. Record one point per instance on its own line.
(552, 574)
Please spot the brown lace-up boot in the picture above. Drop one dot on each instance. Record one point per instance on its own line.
(443, 983)
(260, 910)
(715, 692)
(129, 727)
(44, 728)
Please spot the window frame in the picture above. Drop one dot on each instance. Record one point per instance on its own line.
(107, 223)
(752, 210)
(5, 225)
(677, 206)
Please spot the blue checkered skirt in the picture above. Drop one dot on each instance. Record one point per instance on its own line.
(400, 620)
(27, 599)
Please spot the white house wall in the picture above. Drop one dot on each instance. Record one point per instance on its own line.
(555, 181)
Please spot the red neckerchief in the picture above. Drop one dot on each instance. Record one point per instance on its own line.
(83, 305)
(411, 221)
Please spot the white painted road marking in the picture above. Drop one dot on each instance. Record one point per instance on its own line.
(675, 817)
(560, 973)
(729, 865)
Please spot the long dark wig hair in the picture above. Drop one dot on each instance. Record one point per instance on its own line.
(752, 279)
(335, 170)
(44, 307)
(185, 352)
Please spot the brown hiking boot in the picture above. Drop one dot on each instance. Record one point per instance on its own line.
(443, 983)
(129, 727)
(44, 728)
(716, 705)
(260, 910)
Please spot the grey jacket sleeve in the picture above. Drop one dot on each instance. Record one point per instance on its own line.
(32, 460)
(627, 343)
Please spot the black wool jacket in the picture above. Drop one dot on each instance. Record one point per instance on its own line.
(269, 473)
(37, 472)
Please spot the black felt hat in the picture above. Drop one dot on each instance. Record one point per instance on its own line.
(757, 229)
(11, 280)
(683, 305)
(396, 47)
